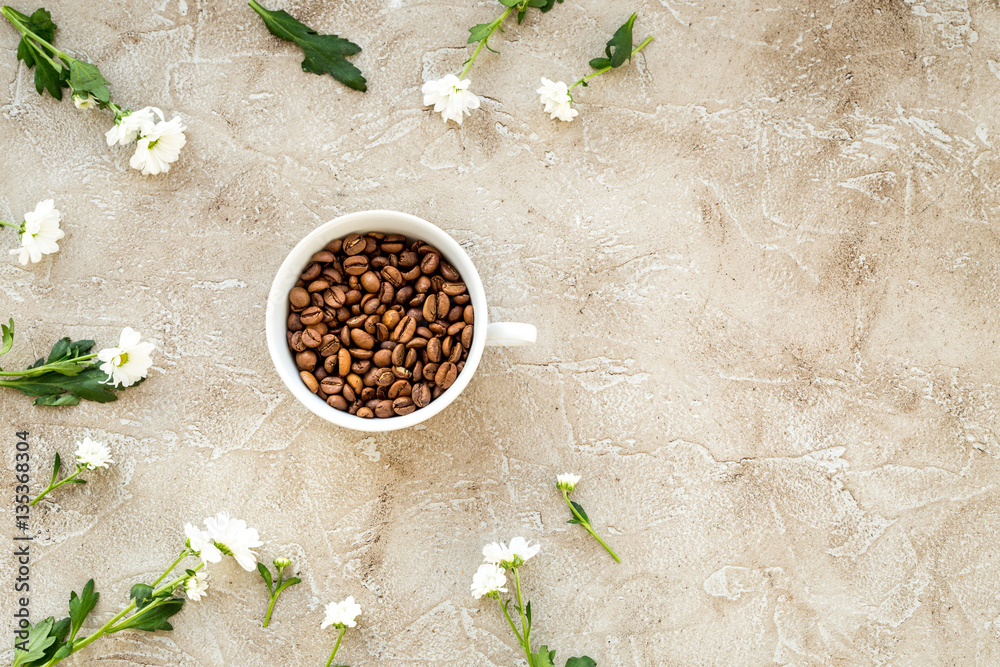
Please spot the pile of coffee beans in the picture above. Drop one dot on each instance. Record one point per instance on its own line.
(379, 326)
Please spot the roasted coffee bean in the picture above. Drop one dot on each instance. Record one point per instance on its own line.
(401, 372)
(418, 369)
(446, 344)
(384, 409)
(398, 354)
(296, 342)
(403, 405)
(382, 358)
(352, 296)
(437, 328)
(371, 324)
(311, 338)
(354, 244)
(310, 381)
(344, 359)
(408, 258)
(298, 297)
(417, 342)
(392, 276)
(362, 339)
(405, 329)
(391, 318)
(329, 345)
(335, 297)
(311, 272)
(429, 371)
(361, 366)
(456, 353)
(368, 393)
(370, 304)
(361, 353)
(412, 274)
(453, 289)
(455, 314)
(356, 265)
(370, 282)
(421, 395)
(411, 358)
(404, 294)
(445, 375)
(399, 388)
(381, 332)
(386, 293)
(467, 335)
(422, 285)
(365, 412)
(306, 360)
(348, 393)
(330, 364)
(443, 305)
(357, 321)
(317, 286)
(448, 272)
(311, 315)
(355, 382)
(456, 327)
(430, 310)
(332, 385)
(434, 349)
(295, 322)
(338, 402)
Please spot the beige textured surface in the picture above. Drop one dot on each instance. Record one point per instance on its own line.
(763, 263)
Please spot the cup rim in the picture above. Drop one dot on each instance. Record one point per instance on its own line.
(276, 314)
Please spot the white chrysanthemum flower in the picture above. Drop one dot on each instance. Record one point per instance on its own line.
(557, 100)
(40, 233)
(91, 454)
(86, 103)
(196, 586)
(129, 362)
(133, 123)
(200, 543)
(233, 538)
(567, 481)
(488, 579)
(342, 614)
(515, 555)
(451, 97)
(159, 147)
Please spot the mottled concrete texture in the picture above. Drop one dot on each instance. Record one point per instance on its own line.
(763, 265)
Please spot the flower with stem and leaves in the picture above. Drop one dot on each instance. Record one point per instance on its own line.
(490, 581)
(70, 373)
(159, 141)
(556, 96)
(567, 483)
(89, 456)
(341, 615)
(451, 96)
(152, 605)
(38, 233)
(276, 585)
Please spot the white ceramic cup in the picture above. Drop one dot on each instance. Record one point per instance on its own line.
(388, 222)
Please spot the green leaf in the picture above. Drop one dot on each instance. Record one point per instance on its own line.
(89, 384)
(580, 511)
(56, 464)
(581, 662)
(8, 336)
(154, 619)
(47, 77)
(58, 632)
(291, 581)
(527, 613)
(544, 657)
(619, 47)
(85, 79)
(324, 54)
(549, 4)
(77, 480)
(38, 640)
(81, 605)
(600, 63)
(54, 401)
(60, 350)
(265, 574)
(510, 3)
(478, 33)
(142, 594)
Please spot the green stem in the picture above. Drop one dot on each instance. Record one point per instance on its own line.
(53, 487)
(525, 626)
(45, 368)
(605, 69)
(184, 554)
(510, 622)
(11, 225)
(336, 646)
(23, 29)
(483, 42)
(588, 528)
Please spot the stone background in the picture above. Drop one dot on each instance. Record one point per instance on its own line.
(763, 264)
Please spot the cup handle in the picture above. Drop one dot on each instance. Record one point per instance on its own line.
(510, 334)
